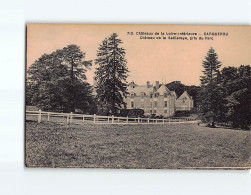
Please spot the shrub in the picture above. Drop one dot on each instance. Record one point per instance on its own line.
(131, 113)
(183, 113)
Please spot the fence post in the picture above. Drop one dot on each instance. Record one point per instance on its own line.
(127, 119)
(138, 119)
(108, 119)
(112, 118)
(48, 119)
(39, 116)
(94, 118)
(169, 120)
(118, 120)
(83, 119)
(148, 120)
(67, 119)
(71, 118)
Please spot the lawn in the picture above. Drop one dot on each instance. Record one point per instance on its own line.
(135, 146)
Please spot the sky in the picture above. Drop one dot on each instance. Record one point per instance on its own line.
(163, 60)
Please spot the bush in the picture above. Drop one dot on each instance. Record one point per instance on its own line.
(183, 113)
(132, 113)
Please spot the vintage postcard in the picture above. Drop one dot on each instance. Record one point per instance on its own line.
(138, 96)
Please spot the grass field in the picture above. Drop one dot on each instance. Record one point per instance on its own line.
(135, 146)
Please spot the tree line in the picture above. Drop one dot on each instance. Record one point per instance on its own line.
(57, 82)
(225, 94)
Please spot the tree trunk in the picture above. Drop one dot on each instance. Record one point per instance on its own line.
(114, 74)
(73, 91)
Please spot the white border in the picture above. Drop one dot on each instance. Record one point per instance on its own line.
(15, 179)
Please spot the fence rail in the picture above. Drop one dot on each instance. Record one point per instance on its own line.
(97, 119)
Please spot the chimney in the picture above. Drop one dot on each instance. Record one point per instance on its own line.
(157, 85)
(148, 83)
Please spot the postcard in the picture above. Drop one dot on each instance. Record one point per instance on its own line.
(138, 96)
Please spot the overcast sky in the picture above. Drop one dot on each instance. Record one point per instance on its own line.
(148, 60)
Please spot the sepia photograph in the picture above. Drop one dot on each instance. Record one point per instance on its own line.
(138, 96)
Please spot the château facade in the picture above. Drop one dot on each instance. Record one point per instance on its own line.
(184, 102)
(158, 99)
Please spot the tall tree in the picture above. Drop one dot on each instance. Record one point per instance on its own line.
(237, 85)
(54, 80)
(211, 101)
(73, 58)
(110, 76)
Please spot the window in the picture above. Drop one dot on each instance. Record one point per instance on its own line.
(165, 95)
(132, 104)
(165, 103)
(155, 111)
(155, 95)
(165, 111)
(151, 95)
(151, 111)
(132, 95)
(142, 95)
(155, 104)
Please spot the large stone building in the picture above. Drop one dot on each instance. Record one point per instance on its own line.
(184, 102)
(158, 99)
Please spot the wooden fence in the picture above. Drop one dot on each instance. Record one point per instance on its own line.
(82, 118)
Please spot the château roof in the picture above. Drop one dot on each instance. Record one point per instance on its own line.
(138, 89)
(163, 89)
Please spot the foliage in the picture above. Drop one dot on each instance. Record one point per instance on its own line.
(211, 66)
(179, 89)
(236, 82)
(211, 101)
(176, 86)
(110, 76)
(56, 81)
(131, 113)
(182, 113)
(193, 91)
(225, 95)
